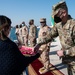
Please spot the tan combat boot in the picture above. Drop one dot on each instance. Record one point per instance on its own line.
(43, 70)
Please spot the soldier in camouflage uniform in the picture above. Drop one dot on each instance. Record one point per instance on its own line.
(65, 29)
(32, 33)
(25, 34)
(43, 33)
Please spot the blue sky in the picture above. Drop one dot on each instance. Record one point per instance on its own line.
(24, 10)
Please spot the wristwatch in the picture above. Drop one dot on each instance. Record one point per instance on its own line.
(66, 52)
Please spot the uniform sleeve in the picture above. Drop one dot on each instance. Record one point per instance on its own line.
(51, 34)
(27, 30)
(72, 49)
(29, 60)
(34, 31)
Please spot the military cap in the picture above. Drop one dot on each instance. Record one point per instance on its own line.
(43, 20)
(23, 22)
(32, 20)
(58, 6)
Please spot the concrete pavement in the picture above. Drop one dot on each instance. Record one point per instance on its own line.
(54, 58)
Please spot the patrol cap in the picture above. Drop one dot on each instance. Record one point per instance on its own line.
(20, 25)
(43, 20)
(31, 20)
(23, 22)
(60, 5)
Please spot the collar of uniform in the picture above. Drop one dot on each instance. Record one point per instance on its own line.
(67, 24)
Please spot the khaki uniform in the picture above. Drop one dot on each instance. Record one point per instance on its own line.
(25, 35)
(32, 35)
(20, 37)
(66, 33)
(45, 48)
(43, 33)
(17, 32)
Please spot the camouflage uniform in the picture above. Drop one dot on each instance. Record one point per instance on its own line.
(32, 34)
(43, 33)
(25, 35)
(66, 33)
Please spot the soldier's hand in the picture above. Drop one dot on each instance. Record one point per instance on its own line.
(60, 53)
(36, 48)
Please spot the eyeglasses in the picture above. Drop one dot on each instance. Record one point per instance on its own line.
(42, 22)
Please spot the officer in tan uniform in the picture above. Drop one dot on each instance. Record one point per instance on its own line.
(32, 33)
(65, 29)
(17, 33)
(25, 34)
(43, 33)
(20, 35)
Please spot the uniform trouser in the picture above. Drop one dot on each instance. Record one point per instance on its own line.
(71, 69)
(25, 40)
(32, 42)
(45, 58)
(20, 39)
(17, 40)
(70, 61)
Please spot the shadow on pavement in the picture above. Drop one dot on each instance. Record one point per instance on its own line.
(53, 53)
(53, 45)
(61, 66)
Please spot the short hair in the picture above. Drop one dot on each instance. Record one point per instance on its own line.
(4, 21)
